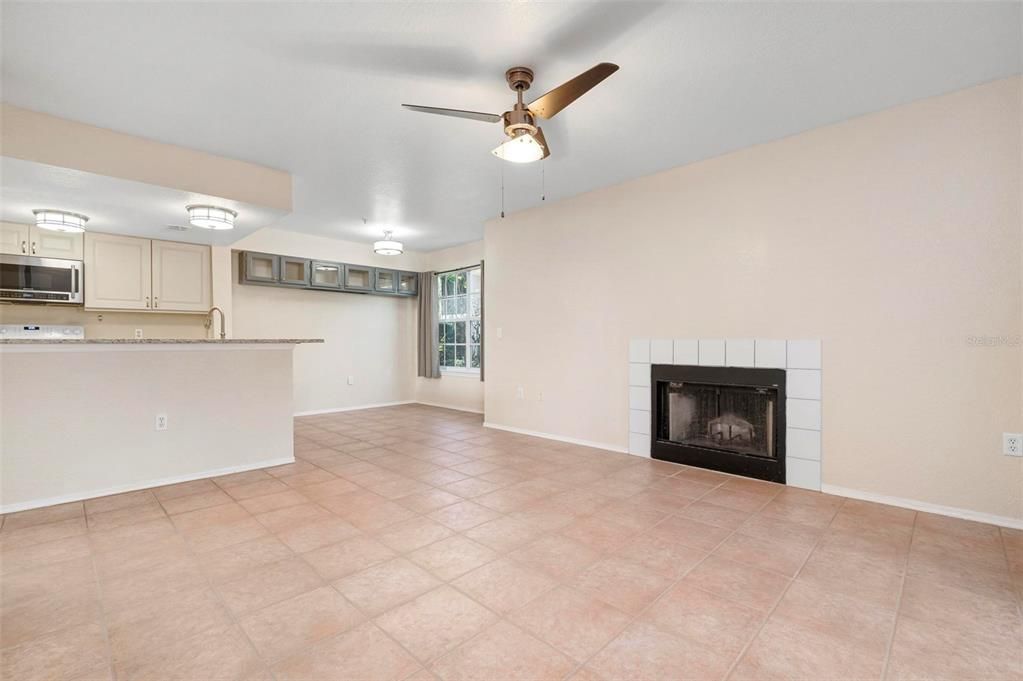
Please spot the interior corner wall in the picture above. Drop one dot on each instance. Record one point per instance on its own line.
(893, 237)
(456, 391)
(368, 338)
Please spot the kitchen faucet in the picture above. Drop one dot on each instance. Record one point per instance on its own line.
(209, 320)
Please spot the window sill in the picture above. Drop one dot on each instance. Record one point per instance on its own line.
(462, 373)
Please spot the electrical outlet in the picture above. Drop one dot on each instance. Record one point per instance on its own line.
(161, 422)
(351, 380)
(138, 333)
(1012, 444)
(520, 393)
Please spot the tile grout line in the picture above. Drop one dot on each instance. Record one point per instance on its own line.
(1016, 587)
(898, 602)
(324, 582)
(404, 555)
(104, 622)
(216, 594)
(366, 618)
(371, 619)
(636, 618)
(792, 580)
(505, 555)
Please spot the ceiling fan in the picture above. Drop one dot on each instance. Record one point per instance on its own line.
(525, 141)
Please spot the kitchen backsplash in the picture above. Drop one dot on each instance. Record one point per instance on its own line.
(107, 324)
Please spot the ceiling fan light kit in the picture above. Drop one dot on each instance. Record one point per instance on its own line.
(523, 147)
(526, 142)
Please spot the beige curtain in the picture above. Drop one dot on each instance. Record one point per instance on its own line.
(429, 338)
(482, 317)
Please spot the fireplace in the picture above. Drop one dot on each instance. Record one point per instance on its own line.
(727, 419)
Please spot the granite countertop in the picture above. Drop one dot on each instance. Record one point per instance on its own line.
(155, 341)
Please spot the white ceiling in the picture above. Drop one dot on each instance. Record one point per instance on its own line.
(119, 206)
(315, 88)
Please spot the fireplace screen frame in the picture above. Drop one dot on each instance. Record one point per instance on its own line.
(719, 459)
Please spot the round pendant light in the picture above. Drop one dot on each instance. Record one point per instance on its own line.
(211, 217)
(60, 220)
(388, 246)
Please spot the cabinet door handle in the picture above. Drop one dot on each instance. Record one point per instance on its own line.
(33, 248)
(147, 301)
(156, 302)
(24, 246)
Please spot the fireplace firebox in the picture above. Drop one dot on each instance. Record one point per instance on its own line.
(727, 419)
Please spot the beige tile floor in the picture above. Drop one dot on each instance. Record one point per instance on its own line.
(411, 543)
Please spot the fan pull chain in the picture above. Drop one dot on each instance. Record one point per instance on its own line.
(543, 180)
(502, 191)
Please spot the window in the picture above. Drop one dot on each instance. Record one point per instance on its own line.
(460, 334)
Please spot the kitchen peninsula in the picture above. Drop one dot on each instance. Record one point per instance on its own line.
(86, 418)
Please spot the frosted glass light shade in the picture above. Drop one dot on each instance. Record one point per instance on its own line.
(522, 148)
(60, 220)
(388, 246)
(211, 217)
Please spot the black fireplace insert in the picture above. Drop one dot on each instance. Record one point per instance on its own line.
(728, 419)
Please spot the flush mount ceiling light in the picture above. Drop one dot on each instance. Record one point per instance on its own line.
(211, 217)
(388, 246)
(60, 220)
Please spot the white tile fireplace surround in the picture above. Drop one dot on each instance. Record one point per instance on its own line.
(801, 360)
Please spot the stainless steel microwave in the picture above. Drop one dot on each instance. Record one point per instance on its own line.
(40, 280)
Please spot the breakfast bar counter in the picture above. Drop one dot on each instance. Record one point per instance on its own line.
(81, 418)
(157, 341)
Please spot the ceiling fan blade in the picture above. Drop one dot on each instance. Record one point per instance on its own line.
(557, 99)
(543, 143)
(457, 113)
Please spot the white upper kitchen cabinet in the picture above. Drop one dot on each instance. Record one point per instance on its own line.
(14, 238)
(47, 243)
(118, 272)
(19, 239)
(181, 277)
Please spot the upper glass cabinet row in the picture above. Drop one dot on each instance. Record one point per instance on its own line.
(266, 268)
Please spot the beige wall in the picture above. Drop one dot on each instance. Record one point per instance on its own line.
(894, 238)
(106, 324)
(78, 421)
(33, 136)
(370, 338)
(451, 390)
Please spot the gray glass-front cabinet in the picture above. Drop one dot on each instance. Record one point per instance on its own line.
(329, 275)
(261, 268)
(294, 271)
(386, 281)
(358, 278)
(408, 283)
(267, 269)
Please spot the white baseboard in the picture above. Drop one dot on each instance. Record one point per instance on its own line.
(132, 487)
(449, 406)
(559, 438)
(334, 410)
(913, 504)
